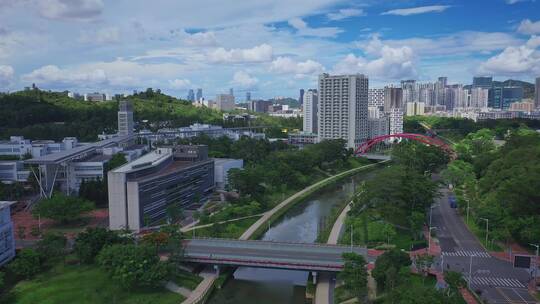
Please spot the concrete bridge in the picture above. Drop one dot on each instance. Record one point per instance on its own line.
(268, 254)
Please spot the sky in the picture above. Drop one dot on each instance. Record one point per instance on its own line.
(268, 47)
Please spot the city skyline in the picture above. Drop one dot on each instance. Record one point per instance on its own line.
(274, 50)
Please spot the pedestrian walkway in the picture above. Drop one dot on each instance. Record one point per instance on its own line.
(466, 253)
(495, 282)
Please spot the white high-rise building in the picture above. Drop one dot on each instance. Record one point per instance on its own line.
(225, 102)
(479, 98)
(396, 121)
(415, 108)
(125, 118)
(343, 108)
(376, 97)
(310, 106)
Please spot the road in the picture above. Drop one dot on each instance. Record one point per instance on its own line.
(495, 280)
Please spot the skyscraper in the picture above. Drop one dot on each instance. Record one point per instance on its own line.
(537, 93)
(393, 99)
(376, 98)
(482, 82)
(248, 96)
(310, 106)
(191, 95)
(301, 97)
(409, 90)
(343, 108)
(199, 94)
(125, 118)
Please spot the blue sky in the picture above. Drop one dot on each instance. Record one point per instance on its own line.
(269, 47)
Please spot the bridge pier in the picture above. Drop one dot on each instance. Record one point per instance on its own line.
(216, 268)
(314, 277)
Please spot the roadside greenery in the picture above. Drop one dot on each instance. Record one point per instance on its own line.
(354, 275)
(62, 209)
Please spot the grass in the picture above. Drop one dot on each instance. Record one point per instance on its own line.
(83, 285)
(232, 230)
(186, 279)
(480, 232)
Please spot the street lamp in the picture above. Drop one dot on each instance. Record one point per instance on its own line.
(470, 270)
(429, 238)
(535, 261)
(487, 229)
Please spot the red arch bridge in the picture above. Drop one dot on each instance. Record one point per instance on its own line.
(365, 147)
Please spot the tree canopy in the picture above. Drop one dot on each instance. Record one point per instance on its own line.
(61, 208)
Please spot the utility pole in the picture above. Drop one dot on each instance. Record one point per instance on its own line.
(470, 270)
(487, 229)
(468, 211)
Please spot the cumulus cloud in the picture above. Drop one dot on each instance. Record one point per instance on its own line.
(51, 74)
(101, 36)
(304, 30)
(179, 83)
(70, 9)
(524, 60)
(260, 53)
(244, 80)
(345, 13)
(286, 65)
(385, 63)
(201, 39)
(6, 76)
(417, 10)
(529, 27)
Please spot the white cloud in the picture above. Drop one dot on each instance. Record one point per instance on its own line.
(6, 76)
(523, 60)
(304, 30)
(515, 1)
(260, 53)
(528, 27)
(244, 79)
(286, 65)
(51, 74)
(101, 36)
(179, 84)
(70, 9)
(387, 63)
(417, 10)
(201, 39)
(345, 13)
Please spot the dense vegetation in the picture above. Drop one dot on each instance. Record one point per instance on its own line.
(39, 114)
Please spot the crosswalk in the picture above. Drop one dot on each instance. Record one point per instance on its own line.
(466, 253)
(496, 282)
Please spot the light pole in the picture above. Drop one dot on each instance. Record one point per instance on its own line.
(429, 238)
(351, 237)
(470, 270)
(535, 261)
(487, 229)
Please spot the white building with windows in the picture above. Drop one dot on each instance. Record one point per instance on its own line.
(343, 108)
(396, 121)
(125, 118)
(310, 106)
(224, 102)
(7, 239)
(376, 97)
(13, 171)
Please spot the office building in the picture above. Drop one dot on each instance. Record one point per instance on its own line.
(310, 121)
(502, 97)
(393, 98)
(221, 170)
(248, 96)
(190, 95)
(415, 108)
(18, 146)
(125, 118)
(7, 238)
(396, 121)
(13, 171)
(537, 93)
(199, 95)
(301, 97)
(376, 98)
(482, 82)
(141, 192)
(224, 102)
(343, 108)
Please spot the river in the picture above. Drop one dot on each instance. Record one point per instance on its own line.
(300, 224)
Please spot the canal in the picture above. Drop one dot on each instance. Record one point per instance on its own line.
(300, 224)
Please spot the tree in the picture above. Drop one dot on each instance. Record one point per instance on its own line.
(95, 191)
(62, 209)
(454, 280)
(27, 264)
(395, 259)
(52, 246)
(133, 265)
(423, 263)
(354, 274)
(116, 161)
(90, 242)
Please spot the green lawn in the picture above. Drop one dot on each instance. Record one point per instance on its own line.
(186, 279)
(232, 230)
(83, 285)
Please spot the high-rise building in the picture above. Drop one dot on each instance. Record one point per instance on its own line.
(441, 91)
(343, 108)
(125, 118)
(248, 96)
(190, 95)
(231, 92)
(301, 97)
(482, 82)
(311, 100)
(415, 108)
(408, 90)
(479, 98)
(376, 98)
(502, 97)
(537, 93)
(396, 121)
(426, 93)
(225, 102)
(199, 94)
(393, 98)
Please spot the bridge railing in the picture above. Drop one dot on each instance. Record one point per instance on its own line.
(272, 242)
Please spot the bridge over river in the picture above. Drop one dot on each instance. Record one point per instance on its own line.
(268, 254)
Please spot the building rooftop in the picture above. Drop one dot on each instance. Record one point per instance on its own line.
(219, 161)
(95, 158)
(150, 159)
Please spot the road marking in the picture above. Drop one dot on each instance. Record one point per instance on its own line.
(519, 295)
(466, 253)
(497, 282)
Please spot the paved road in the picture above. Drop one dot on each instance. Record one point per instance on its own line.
(497, 281)
(268, 254)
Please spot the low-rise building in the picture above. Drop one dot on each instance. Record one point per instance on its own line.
(13, 171)
(7, 239)
(221, 170)
(300, 139)
(141, 192)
